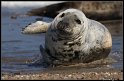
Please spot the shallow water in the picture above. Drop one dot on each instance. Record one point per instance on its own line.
(17, 49)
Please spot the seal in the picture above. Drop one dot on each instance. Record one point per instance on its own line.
(73, 38)
(36, 27)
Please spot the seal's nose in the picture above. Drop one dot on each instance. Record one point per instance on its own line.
(62, 25)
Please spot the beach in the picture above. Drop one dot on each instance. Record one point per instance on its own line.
(18, 49)
(70, 74)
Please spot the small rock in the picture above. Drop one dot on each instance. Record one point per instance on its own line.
(13, 17)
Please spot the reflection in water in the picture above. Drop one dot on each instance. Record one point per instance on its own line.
(17, 49)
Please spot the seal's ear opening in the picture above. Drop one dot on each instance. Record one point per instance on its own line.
(62, 15)
(78, 21)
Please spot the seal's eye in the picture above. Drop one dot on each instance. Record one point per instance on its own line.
(62, 15)
(78, 21)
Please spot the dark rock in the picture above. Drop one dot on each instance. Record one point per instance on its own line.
(97, 10)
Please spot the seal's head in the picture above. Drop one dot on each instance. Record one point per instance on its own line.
(70, 22)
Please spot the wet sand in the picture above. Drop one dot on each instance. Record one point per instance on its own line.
(97, 70)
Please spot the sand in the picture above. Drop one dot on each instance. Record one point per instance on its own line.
(67, 73)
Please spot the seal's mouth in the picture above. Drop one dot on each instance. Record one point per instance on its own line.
(64, 28)
(66, 31)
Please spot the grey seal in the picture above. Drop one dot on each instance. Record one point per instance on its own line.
(73, 38)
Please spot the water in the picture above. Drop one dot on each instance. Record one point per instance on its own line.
(17, 49)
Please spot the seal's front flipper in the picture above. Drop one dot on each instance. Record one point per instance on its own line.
(45, 55)
(41, 60)
(37, 27)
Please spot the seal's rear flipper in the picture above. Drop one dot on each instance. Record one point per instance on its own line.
(37, 27)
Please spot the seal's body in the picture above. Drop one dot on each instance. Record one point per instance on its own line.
(72, 37)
